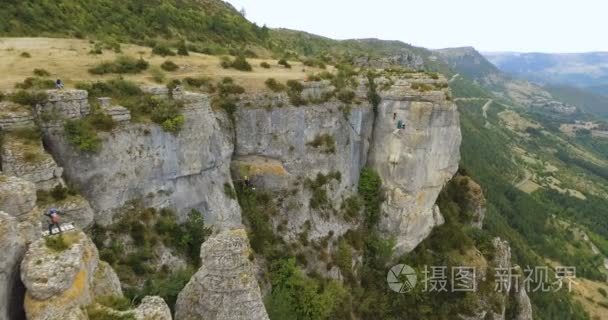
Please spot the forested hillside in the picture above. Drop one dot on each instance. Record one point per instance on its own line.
(206, 23)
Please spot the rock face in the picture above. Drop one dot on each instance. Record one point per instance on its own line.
(12, 246)
(276, 150)
(28, 160)
(225, 287)
(62, 282)
(63, 105)
(141, 161)
(17, 196)
(106, 282)
(58, 281)
(415, 161)
(14, 116)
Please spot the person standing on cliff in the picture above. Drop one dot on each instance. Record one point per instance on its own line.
(53, 215)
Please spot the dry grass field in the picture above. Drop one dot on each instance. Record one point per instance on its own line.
(69, 60)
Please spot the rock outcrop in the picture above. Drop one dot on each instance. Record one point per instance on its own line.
(14, 116)
(225, 287)
(415, 159)
(63, 105)
(12, 246)
(63, 277)
(140, 161)
(58, 280)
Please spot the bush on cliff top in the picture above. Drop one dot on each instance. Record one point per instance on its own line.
(122, 64)
(28, 98)
(81, 134)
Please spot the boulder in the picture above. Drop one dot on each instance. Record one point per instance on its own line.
(225, 287)
(153, 308)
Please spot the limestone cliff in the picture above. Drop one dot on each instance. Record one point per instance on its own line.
(416, 160)
(141, 161)
(19, 226)
(278, 150)
(225, 287)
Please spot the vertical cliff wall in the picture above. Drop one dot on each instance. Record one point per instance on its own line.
(415, 151)
(141, 161)
(280, 149)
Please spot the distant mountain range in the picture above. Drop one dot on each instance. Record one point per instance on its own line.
(582, 70)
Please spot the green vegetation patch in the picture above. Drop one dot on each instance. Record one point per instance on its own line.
(324, 142)
(122, 64)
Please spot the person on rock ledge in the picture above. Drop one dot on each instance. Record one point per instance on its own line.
(53, 215)
(58, 84)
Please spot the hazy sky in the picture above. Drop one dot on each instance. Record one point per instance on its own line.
(488, 25)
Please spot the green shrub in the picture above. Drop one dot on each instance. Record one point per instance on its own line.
(351, 208)
(112, 88)
(81, 134)
(240, 63)
(56, 243)
(296, 296)
(157, 75)
(265, 65)
(162, 50)
(319, 198)
(225, 62)
(284, 63)
(228, 87)
(29, 134)
(199, 82)
(274, 85)
(166, 113)
(602, 291)
(101, 121)
(41, 73)
(182, 48)
(36, 83)
(169, 66)
(344, 258)
(25, 55)
(346, 96)
(370, 190)
(59, 193)
(121, 65)
(168, 286)
(325, 142)
(114, 302)
(28, 98)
